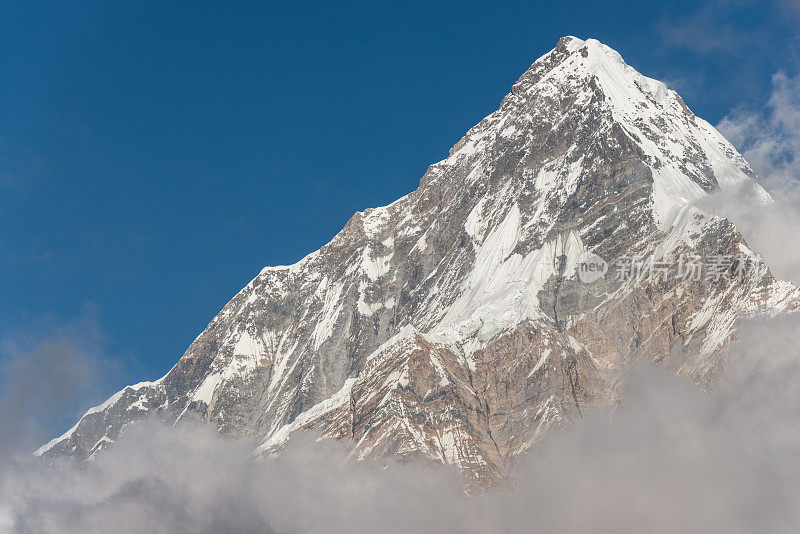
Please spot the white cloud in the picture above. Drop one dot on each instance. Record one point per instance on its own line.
(49, 370)
(770, 141)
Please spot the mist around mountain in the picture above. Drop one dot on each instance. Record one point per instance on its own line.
(671, 459)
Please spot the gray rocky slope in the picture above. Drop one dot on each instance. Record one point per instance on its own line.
(451, 324)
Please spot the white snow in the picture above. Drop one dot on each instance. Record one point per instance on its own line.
(331, 308)
(281, 436)
(501, 291)
(248, 345)
(139, 404)
(205, 392)
(374, 220)
(374, 266)
(99, 408)
(541, 362)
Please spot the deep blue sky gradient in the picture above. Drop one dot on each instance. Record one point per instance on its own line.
(154, 156)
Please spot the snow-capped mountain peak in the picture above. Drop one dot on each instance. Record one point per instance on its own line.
(451, 324)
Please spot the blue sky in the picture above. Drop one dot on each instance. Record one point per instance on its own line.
(154, 156)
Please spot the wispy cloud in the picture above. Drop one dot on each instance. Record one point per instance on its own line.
(693, 34)
(724, 28)
(49, 370)
(706, 30)
(770, 141)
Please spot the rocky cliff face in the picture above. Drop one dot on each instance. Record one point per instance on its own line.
(451, 324)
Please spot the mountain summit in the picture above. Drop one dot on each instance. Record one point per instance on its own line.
(456, 324)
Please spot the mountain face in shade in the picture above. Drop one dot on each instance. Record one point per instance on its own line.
(453, 324)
